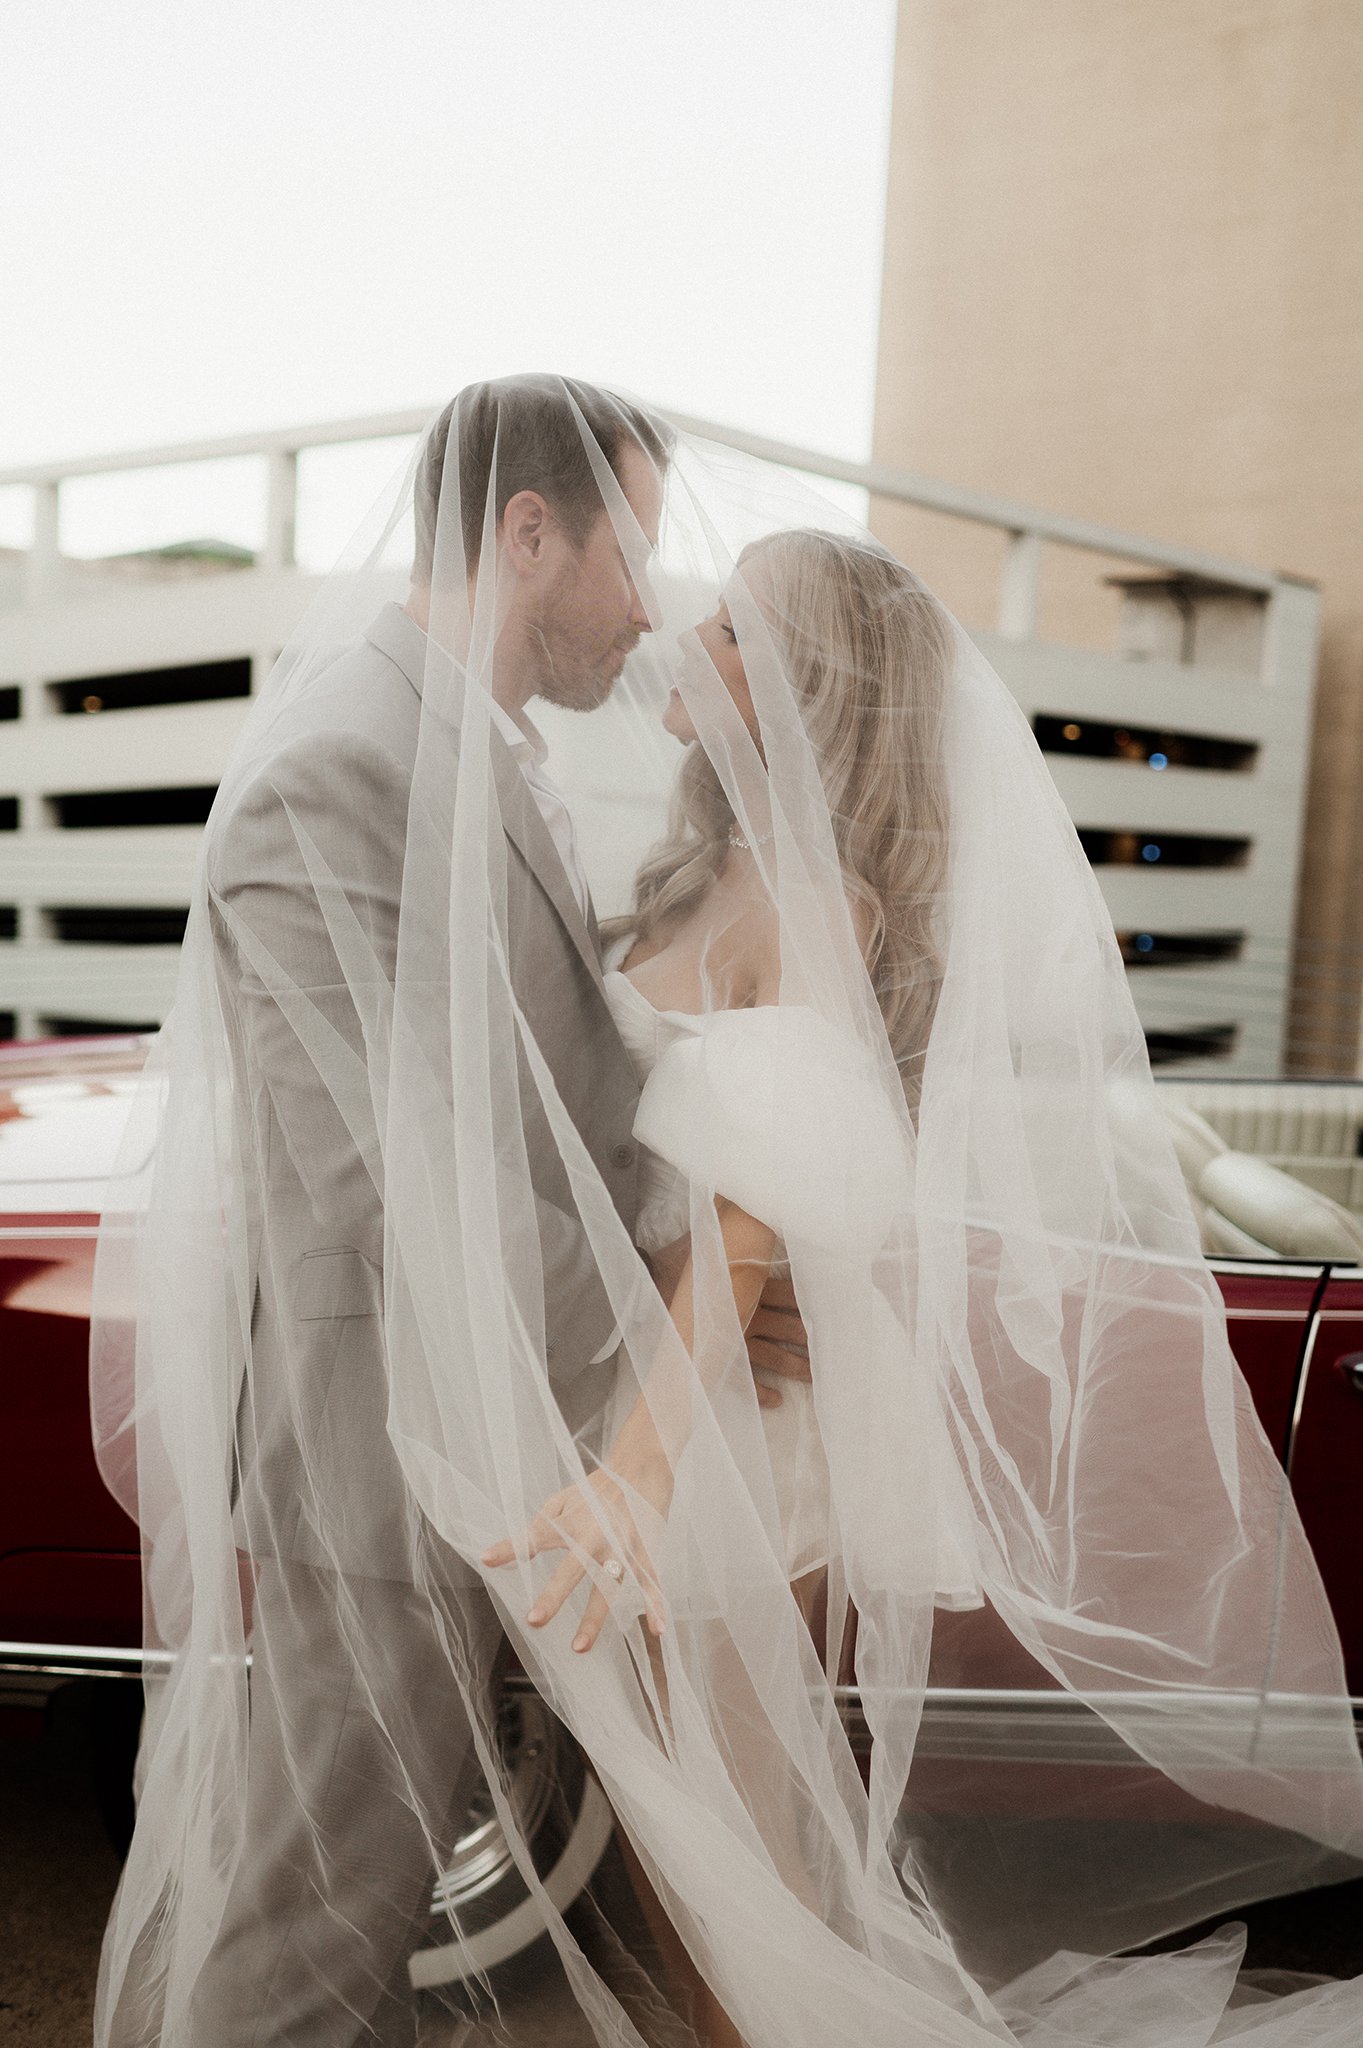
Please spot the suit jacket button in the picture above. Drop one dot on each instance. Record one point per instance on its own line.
(622, 1155)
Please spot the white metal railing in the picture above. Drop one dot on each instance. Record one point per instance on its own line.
(1028, 526)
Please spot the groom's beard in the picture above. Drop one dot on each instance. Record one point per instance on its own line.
(579, 662)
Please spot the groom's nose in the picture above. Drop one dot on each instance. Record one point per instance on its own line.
(644, 612)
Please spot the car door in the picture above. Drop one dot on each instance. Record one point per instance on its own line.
(1269, 1308)
(69, 1566)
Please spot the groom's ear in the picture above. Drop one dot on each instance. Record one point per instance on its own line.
(526, 524)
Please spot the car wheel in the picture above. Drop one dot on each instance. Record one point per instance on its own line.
(564, 1815)
(567, 1821)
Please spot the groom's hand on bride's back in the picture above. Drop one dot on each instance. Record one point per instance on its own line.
(777, 1340)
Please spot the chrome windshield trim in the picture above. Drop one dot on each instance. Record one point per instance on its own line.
(1267, 1269)
(1299, 1397)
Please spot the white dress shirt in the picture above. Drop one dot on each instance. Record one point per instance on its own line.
(530, 752)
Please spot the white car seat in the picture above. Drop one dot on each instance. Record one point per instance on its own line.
(1245, 1207)
(1273, 1210)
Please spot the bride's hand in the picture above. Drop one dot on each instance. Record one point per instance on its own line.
(596, 1518)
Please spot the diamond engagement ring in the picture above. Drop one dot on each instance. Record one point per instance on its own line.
(613, 1569)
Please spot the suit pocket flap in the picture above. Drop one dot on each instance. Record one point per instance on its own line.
(336, 1283)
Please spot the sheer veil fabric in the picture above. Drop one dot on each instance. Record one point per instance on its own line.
(444, 1202)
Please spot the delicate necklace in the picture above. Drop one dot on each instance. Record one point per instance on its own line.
(742, 845)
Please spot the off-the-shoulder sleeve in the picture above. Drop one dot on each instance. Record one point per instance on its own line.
(783, 1113)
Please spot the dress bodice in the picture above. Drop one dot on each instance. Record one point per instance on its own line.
(775, 1108)
(800, 1470)
(664, 1190)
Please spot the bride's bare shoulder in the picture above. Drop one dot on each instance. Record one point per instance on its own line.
(762, 951)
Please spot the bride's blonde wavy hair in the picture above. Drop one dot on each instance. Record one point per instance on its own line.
(868, 652)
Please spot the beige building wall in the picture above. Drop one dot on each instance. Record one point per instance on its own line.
(1124, 280)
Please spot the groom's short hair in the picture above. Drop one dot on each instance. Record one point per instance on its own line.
(538, 443)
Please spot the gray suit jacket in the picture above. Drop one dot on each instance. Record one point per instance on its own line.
(317, 1479)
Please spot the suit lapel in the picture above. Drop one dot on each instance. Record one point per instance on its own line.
(396, 634)
(527, 831)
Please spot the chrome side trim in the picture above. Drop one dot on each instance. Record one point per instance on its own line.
(984, 1725)
(82, 1660)
(1009, 1720)
(26, 1233)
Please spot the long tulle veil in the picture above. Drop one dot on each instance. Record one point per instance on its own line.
(378, 1298)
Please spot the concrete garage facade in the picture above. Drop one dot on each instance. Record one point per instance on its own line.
(1180, 752)
(1123, 273)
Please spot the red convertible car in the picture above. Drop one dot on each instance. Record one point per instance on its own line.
(1276, 1173)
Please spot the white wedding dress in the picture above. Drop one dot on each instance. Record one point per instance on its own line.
(825, 1166)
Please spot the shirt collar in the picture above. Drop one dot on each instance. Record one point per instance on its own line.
(525, 740)
(396, 633)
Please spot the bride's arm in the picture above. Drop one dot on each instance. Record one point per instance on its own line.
(664, 1398)
(748, 1248)
(747, 1245)
(641, 1459)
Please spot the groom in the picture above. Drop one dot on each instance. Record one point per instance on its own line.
(330, 1890)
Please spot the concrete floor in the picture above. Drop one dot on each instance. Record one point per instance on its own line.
(58, 1873)
(536, 2011)
(57, 1879)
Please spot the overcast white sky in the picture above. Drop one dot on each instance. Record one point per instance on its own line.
(257, 212)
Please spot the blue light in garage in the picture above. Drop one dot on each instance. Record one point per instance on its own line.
(1150, 851)
(1144, 943)
(1159, 760)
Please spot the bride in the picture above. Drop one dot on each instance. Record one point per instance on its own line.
(871, 651)
(520, 1181)
(703, 940)
(700, 993)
